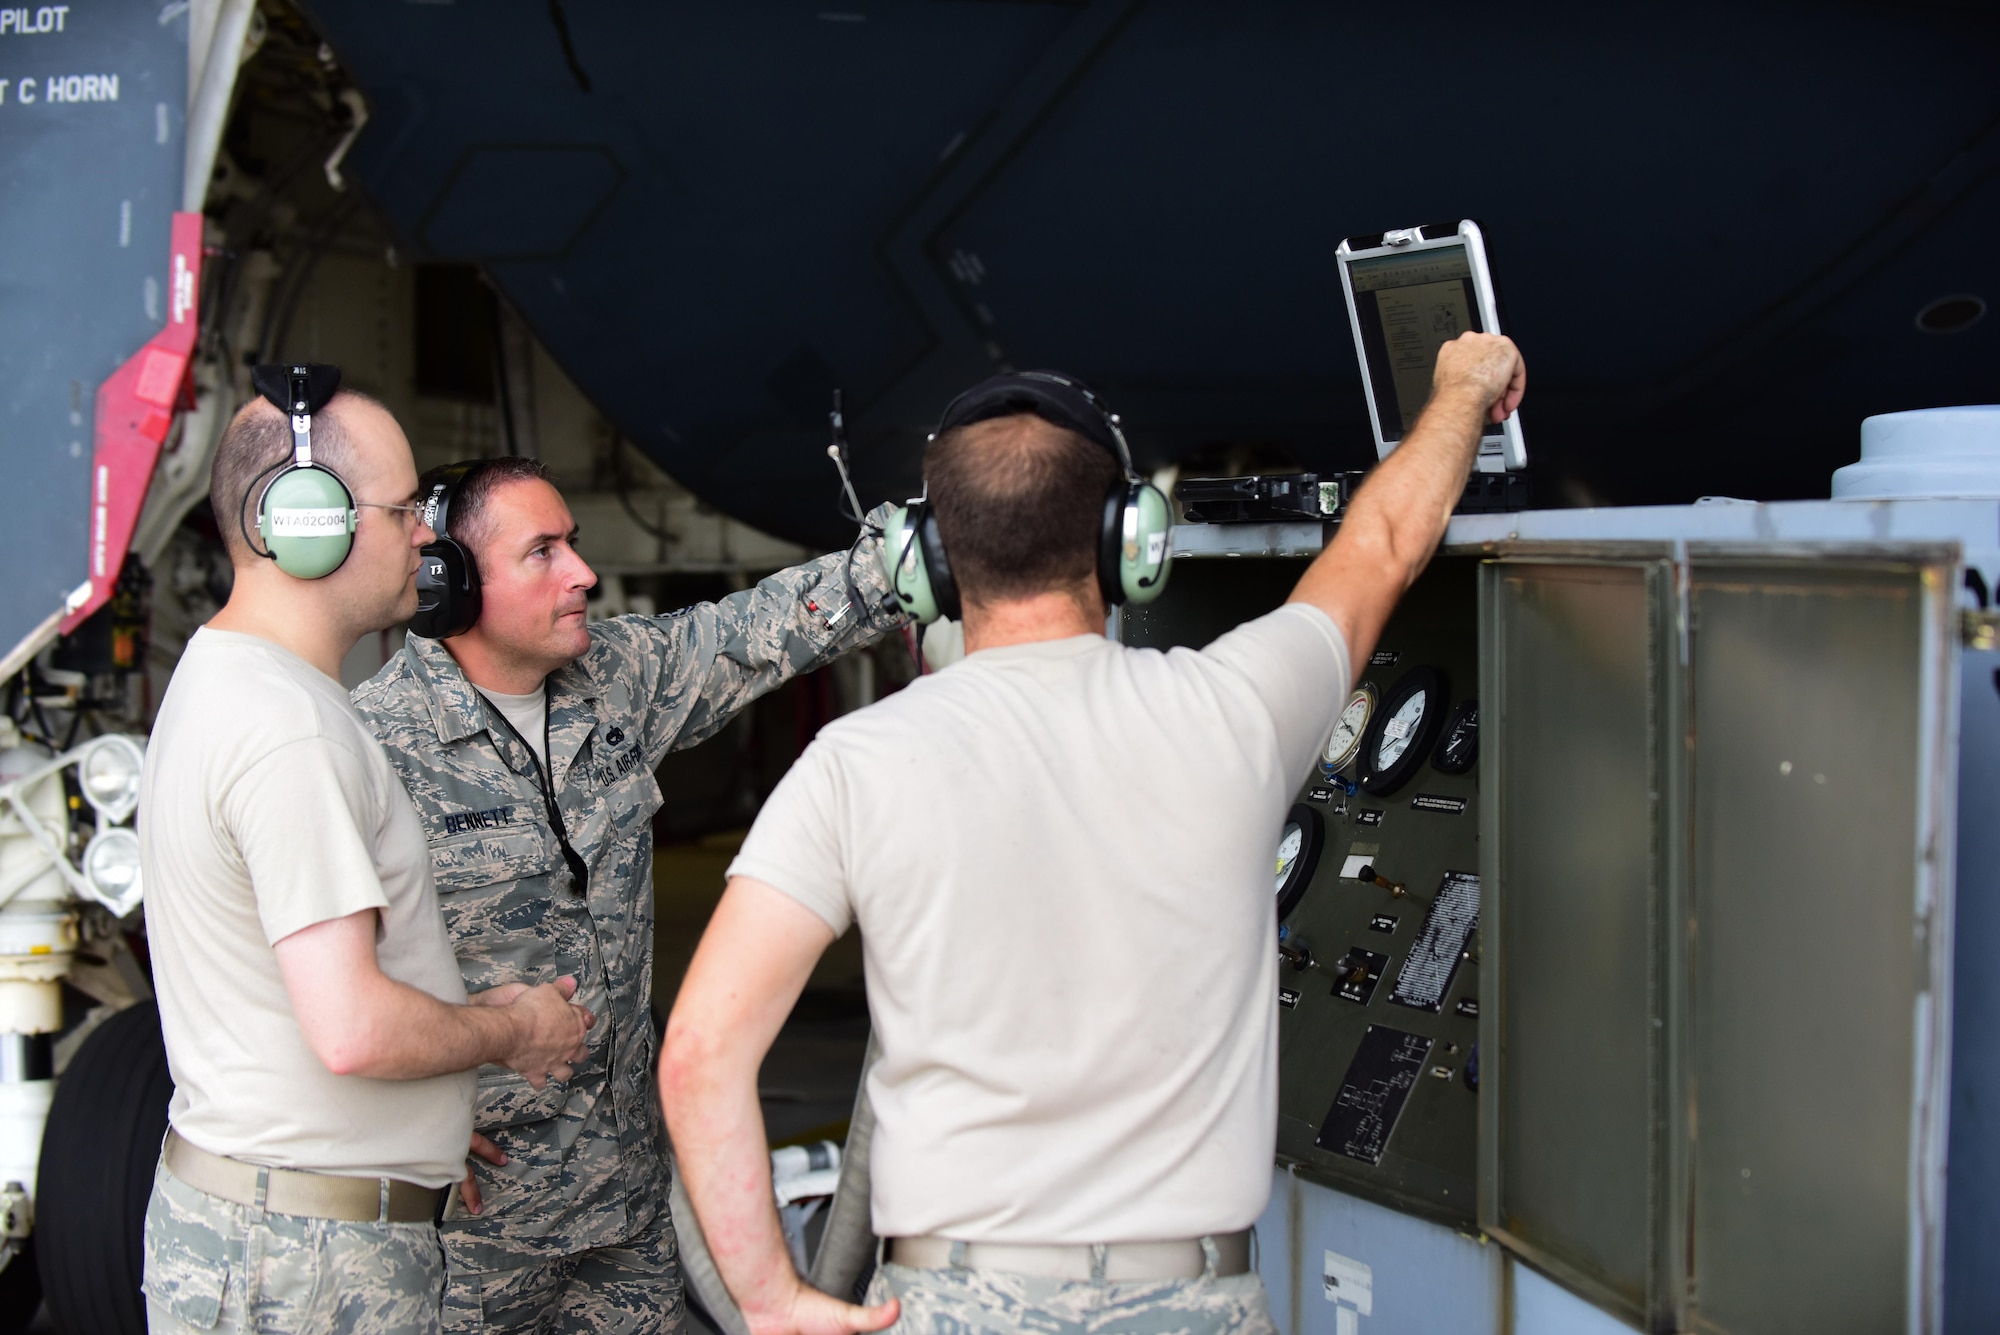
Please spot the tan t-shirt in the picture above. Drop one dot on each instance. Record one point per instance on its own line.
(1060, 855)
(268, 806)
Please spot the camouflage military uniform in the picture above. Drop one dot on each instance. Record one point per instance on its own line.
(994, 1302)
(584, 1171)
(213, 1265)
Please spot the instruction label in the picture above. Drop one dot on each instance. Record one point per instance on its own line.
(1451, 806)
(1428, 969)
(1372, 1093)
(1351, 1282)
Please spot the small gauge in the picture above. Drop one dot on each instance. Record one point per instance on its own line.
(1298, 855)
(1458, 747)
(1348, 730)
(1406, 724)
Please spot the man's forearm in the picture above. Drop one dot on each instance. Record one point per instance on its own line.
(720, 1150)
(753, 961)
(1409, 499)
(1395, 522)
(403, 1033)
(787, 624)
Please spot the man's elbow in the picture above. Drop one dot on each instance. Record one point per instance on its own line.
(688, 1056)
(350, 1046)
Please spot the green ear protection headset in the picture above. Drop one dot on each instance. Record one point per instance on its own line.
(1133, 552)
(306, 513)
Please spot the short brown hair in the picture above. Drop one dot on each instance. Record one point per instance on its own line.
(1020, 505)
(254, 446)
(467, 516)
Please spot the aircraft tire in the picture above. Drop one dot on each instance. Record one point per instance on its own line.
(98, 1154)
(20, 1292)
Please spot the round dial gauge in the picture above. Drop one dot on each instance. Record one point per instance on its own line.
(1398, 731)
(1288, 851)
(1348, 730)
(1458, 747)
(1298, 854)
(1405, 727)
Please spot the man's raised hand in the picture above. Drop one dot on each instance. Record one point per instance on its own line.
(1486, 365)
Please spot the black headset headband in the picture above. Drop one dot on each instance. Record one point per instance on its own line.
(445, 484)
(1057, 399)
(277, 382)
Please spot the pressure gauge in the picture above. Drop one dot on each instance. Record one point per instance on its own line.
(1298, 855)
(1348, 730)
(1458, 747)
(1406, 725)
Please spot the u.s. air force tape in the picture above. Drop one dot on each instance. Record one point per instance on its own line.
(308, 522)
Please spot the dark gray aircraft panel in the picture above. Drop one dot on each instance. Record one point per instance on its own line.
(93, 107)
(1713, 227)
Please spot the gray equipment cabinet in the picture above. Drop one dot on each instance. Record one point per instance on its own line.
(1739, 1042)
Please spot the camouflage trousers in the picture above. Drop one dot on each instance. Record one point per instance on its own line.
(994, 1302)
(213, 1265)
(633, 1289)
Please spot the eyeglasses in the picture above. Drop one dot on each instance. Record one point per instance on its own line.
(385, 505)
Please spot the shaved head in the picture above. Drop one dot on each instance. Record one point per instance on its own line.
(257, 441)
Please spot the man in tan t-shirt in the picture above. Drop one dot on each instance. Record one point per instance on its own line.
(1058, 851)
(320, 1039)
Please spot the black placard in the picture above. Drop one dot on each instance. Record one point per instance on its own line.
(1384, 658)
(1372, 1093)
(1382, 922)
(1428, 968)
(1319, 794)
(1468, 1007)
(1450, 806)
(1288, 997)
(1368, 817)
(1368, 966)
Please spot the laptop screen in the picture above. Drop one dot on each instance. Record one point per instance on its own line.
(1409, 305)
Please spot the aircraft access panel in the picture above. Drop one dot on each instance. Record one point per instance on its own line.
(1376, 889)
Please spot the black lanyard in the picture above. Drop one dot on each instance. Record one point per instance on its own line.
(579, 870)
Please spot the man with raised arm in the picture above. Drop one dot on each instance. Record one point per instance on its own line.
(319, 1036)
(1058, 851)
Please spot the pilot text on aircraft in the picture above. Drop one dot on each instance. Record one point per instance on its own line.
(23, 22)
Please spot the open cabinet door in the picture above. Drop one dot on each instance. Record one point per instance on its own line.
(1717, 907)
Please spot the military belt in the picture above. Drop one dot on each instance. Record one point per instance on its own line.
(1115, 1262)
(386, 1200)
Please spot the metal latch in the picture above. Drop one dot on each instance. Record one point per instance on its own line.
(1978, 630)
(17, 1213)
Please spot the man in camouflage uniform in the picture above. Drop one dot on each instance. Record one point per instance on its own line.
(562, 1224)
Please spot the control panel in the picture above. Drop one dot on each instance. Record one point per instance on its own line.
(1376, 919)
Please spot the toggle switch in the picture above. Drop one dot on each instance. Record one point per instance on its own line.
(1373, 877)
